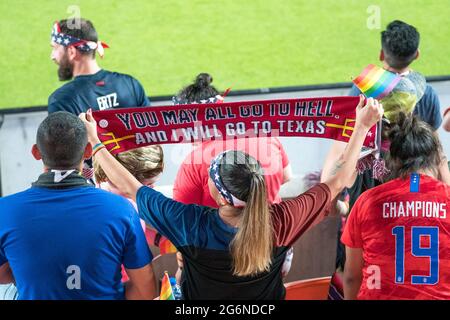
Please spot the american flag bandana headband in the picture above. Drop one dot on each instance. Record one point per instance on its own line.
(215, 177)
(216, 99)
(83, 45)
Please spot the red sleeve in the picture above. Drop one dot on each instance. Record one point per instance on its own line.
(446, 111)
(188, 188)
(292, 218)
(284, 156)
(351, 236)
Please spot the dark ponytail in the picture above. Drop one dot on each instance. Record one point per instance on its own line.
(414, 146)
(203, 80)
(199, 91)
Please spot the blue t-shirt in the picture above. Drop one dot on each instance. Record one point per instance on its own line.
(428, 108)
(70, 243)
(99, 91)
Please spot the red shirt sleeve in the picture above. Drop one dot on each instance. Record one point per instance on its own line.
(292, 218)
(188, 187)
(446, 111)
(351, 236)
(284, 156)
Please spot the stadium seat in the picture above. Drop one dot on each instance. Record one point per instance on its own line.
(161, 263)
(310, 289)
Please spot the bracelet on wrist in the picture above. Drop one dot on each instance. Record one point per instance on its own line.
(98, 149)
(97, 145)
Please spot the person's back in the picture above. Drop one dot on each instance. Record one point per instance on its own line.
(74, 50)
(397, 233)
(65, 243)
(404, 232)
(99, 91)
(192, 178)
(400, 47)
(191, 182)
(204, 239)
(64, 239)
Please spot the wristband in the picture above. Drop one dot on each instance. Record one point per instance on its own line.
(97, 145)
(98, 149)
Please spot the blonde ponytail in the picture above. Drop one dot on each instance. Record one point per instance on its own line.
(251, 248)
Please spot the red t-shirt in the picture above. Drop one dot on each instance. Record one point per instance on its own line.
(191, 183)
(404, 232)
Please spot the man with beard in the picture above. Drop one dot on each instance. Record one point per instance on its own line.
(74, 45)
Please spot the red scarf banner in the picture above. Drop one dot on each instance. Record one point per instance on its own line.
(327, 117)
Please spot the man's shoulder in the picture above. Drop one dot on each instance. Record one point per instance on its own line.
(429, 88)
(63, 98)
(14, 198)
(430, 92)
(109, 198)
(104, 203)
(119, 75)
(70, 194)
(66, 91)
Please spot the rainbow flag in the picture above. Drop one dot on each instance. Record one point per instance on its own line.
(156, 239)
(165, 247)
(166, 288)
(375, 82)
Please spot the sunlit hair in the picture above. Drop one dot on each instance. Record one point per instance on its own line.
(143, 163)
(251, 248)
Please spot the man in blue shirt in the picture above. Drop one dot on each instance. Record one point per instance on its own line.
(64, 239)
(74, 46)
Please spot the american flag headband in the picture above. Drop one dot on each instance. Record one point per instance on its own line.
(216, 99)
(215, 177)
(83, 45)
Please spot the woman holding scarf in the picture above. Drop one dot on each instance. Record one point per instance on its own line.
(237, 250)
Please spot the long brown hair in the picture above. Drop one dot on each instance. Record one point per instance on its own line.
(252, 246)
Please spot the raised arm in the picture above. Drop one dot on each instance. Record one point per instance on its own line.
(116, 173)
(343, 171)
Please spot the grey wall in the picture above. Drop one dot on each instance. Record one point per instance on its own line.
(19, 169)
